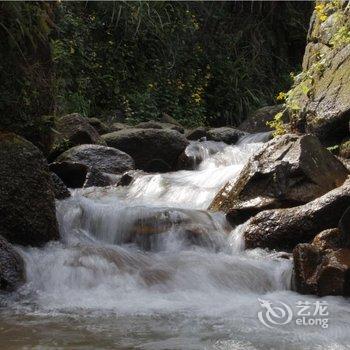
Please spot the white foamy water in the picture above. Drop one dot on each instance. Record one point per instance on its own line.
(147, 267)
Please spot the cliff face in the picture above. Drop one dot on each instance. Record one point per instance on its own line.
(319, 100)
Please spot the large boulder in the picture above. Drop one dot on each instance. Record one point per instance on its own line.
(73, 130)
(287, 171)
(323, 267)
(12, 269)
(27, 202)
(119, 126)
(257, 121)
(319, 100)
(225, 134)
(149, 146)
(103, 158)
(284, 228)
(197, 133)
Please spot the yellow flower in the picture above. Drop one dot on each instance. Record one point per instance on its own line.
(281, 96)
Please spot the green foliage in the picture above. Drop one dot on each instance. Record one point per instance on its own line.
(200, 62)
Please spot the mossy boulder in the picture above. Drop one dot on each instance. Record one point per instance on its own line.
(27, 202)
(319, 100)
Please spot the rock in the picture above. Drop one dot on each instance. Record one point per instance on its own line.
(287, 171)
(73, 174)
(147, 145)
(319, 100)
(166, 118)
(12, 269)
(27, 202)
(225, 134)
(126, 180)
(119, 126)
(321, 272)
(60, 189)
(193, 226)
(73, 130)
(105, 159)
(196, 134)
(284, 228)
(99, 125)
(96, 178)
(257, 121)
(329, 239)
(158, 125)
(344, 150)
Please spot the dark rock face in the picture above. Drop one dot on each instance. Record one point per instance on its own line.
(12, 269)
(105, 159)
(147, 145)
(73, 130)
(96, 178)
(225, 134)
(99, 125)
(287, 171)
(60, 189)
(27, 202)
(73, 174)
(284, 228)
(257, 121)
(158, 125)
(197, 134)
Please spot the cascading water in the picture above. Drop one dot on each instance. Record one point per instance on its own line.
(147, 267)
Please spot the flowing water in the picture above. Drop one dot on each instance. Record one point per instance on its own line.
(147, 267)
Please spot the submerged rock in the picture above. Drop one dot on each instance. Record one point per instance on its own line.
(105, 159)
(147, 145)
(27, 202)
(12, 268)
(225, 134)
(284, 228)
(289, 170)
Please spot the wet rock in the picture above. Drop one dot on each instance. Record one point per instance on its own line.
(284, 228)
(99, 125)
(158, 125)
(344, 223)
(126, 179)
(287, 171)
(225, 134)
(105, 159)
(73, 174)
(147, 145)
(27, 202)
(321, 272)
(73, 130)
(12, 268)
(96, 178)
(197, 134)
(60, 189)
(329, 239)
(257, 121)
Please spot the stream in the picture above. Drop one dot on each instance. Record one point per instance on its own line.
(146, 266)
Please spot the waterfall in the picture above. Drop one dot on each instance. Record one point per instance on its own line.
(147, 266)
